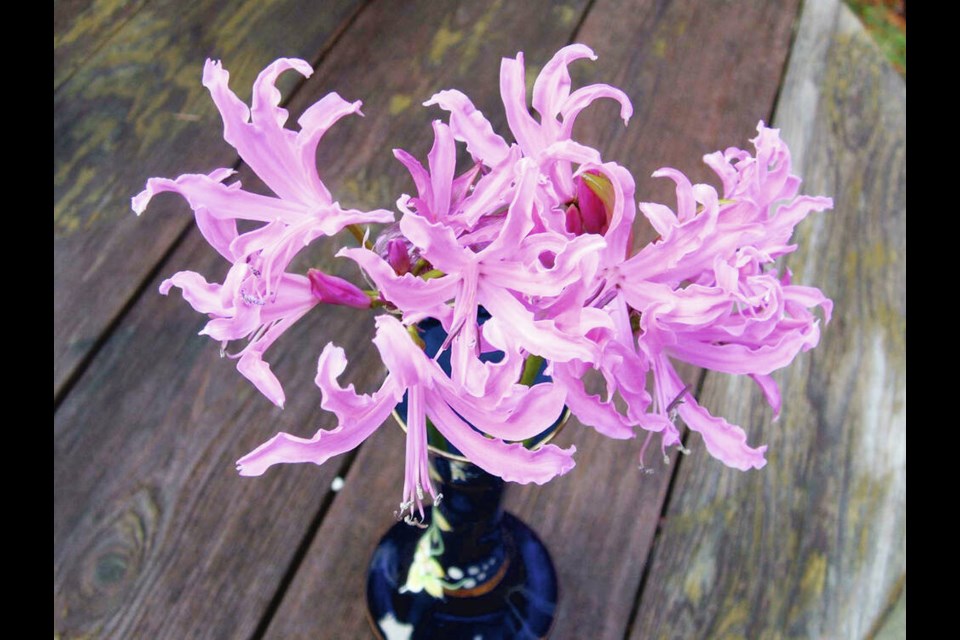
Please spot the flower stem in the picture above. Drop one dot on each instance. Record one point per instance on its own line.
(531, 367)
(359, 234)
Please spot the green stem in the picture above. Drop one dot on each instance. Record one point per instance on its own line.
(359, 235)
(531, 367)
(418, 266)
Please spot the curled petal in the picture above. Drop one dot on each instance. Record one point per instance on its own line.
(590, 409)
(469, 125)
(583, 97)
(203, 296)
(552, 87)
(726, 442)
(418, 298)
(512, 462)
(513, 90)
(771, 392)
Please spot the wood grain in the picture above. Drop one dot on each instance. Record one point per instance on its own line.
(600, 519)
(815, 544)
(136, 109)
(81, 27)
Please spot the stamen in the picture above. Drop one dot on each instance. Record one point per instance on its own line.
(676, 402)
(252, 299)
(606, 298)
(643, 449)
(593, 296)
(415, 522)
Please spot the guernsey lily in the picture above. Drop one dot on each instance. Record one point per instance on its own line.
(525, 257)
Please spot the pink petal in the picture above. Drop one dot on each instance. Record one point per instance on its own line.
(552, 86)
(414, 295)
(583, 97)
(442, 160)
(512, 462)
(771, 392)
(469, 125)
(513, 91)
(358, 417)
(726, 442)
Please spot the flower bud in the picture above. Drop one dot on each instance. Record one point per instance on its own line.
(334, 290)
(592, 210)
(393, 247)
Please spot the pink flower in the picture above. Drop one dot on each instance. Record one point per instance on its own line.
(521, 413)
(704, 293)
(537, 233)
(259, 300)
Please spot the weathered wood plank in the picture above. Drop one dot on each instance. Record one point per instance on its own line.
(815, 544)
(137, 109)
(600, 519)
(80, 27)
(155, 535)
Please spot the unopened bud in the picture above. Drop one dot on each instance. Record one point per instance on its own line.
(334, 290)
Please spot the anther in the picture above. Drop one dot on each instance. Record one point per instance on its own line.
(678, 400)
(251, 299)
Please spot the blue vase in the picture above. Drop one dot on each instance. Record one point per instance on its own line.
(473, 571)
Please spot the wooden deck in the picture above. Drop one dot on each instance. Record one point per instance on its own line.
(155, 535)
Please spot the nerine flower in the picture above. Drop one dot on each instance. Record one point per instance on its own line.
(258, 299)
(704, 293)
(520, 413)
(539, 234)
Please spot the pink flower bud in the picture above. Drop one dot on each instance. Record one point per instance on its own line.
(590, 213)
(334, 290)
(398, 255)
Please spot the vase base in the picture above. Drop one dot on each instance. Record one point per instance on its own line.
(520, 606)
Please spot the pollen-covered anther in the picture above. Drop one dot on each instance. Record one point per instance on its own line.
(414, 521)
(249, 299)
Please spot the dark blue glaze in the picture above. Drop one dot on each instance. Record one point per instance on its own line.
(498, 581)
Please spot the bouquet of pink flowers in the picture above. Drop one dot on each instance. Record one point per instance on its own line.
(536, 232)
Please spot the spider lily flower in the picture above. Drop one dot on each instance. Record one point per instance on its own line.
(520, 414)
(706, 295)
(552, 100)
(239, 311)
(259, 300)
(537, 233)
(492, 277)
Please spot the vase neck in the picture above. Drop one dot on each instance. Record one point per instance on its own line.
(471, 496)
